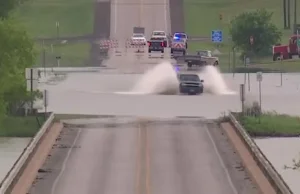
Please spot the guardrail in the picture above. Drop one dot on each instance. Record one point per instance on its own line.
(275, 179)
(16, 169)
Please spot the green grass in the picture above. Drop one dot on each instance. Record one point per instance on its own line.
(40, 17)
(72, 55)
(20, 126)
(271, 124)
(202, 16)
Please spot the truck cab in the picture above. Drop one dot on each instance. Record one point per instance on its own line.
(286, 51)
(208, 57)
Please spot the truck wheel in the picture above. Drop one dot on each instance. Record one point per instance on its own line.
(216, 63)
(189, 65)
(171, 51)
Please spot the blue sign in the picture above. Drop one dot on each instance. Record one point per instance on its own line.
(216, 36)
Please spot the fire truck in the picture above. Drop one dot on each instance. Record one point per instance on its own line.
(287, 51)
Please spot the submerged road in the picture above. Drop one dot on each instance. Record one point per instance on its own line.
(141, 157)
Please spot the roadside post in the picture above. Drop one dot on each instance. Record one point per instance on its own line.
(259, 79)
(281, 69)
(245, 74)
(248, 74)
(32, 77)
(45, 100)
(234, 60)
(44, 58)
(57, 29)
(58, 60)
(242, 97)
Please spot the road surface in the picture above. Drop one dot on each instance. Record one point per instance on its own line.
(163, 156)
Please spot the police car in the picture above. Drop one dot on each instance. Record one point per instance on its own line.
(179, 36)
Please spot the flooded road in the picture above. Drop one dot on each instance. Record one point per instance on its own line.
(10, 150)
(281, 152)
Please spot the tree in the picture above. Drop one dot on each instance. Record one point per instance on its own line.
(6, 6)
(17, 53)
(256, 24)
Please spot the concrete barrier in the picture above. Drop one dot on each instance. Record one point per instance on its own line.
(69, 69)
(19, 165)
(275, 179)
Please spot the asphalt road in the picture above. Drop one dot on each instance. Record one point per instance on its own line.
(151, 14)
(164, 156)
(175, 156)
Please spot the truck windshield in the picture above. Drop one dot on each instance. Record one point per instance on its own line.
(203, 53)
(194, 78)
(159, 34)
(138, 35)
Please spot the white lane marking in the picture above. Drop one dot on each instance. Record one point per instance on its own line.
(166, 12)
(116, 15)
(64, 163)
(221, 162)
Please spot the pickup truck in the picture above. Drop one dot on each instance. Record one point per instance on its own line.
(190, 84)
(201, 58)
(191, 60)
(157, 44)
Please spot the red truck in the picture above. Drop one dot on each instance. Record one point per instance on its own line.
(287, 51)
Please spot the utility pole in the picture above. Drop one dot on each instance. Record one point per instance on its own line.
(295, 14)
(288, 14)
(284, 14)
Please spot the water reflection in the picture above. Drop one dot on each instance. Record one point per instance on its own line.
(10, 150)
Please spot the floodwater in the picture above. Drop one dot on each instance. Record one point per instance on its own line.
(10, 150)
(281, 152)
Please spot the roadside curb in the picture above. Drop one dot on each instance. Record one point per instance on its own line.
(264, 164)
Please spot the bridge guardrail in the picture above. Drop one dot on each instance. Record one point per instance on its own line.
(265, 165)
(18, 166)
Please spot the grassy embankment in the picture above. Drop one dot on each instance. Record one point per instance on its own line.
(75, 18)
(271, 125)
(20, 126)
(202, 16)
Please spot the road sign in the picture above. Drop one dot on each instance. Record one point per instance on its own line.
(217, 36)
(259, 76)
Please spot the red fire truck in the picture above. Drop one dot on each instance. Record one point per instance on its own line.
(287, 51)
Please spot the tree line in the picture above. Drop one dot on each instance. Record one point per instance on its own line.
(16, 53)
